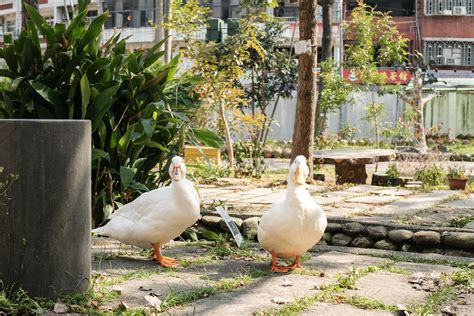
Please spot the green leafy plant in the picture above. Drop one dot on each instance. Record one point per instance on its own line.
(139, 114)
(431, 175)
(392, 171)
(456, 172)
(249, 159)
(201, 171)
(17, 302)
(347, 132)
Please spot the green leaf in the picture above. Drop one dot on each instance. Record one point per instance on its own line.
(207, 137)
(39, 21)
(99, 154)
(126, 175)
(133, 64)
(138, 186)
(85, 95)
(101, 105)
(46, 92)
(93, 31)
(148, 127)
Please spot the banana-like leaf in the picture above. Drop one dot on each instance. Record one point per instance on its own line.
(207, 137)
(127, 175)
(101, 105)
(99, 154)
(46, 93)
(93, 31)
(40, 22)
(85, 95)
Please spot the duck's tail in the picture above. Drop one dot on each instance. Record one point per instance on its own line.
(99, 231)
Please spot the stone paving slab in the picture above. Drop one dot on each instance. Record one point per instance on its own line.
(374, 199)
(327, 309)
(467, 203)
(334, 262)
(462, 306)
(412, 204)
(440, 216)
(393, 191)
(390, 288)
(255, 297)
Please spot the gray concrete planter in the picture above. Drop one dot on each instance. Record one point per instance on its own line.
(46, 220)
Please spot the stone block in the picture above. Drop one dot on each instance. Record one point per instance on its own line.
(341, 240)
(333, 227)
(400, 235)
(211, 220)
(385, 244)
(353, 228)
(362, 242)
(459, 240)
(250, 227)
(426, 238)
(376, 232)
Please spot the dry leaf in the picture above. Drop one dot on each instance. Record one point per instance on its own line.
(287, 283)
(153, 301)
(60, 308)
(123, 306)
(280, 300)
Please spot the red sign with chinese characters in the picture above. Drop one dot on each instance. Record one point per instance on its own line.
(398, 76)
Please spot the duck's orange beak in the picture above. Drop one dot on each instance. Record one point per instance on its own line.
(299, 176)
(177, 172)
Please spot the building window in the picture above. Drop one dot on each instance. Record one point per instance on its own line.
(451, 53)
(449, 7)
(129, 13)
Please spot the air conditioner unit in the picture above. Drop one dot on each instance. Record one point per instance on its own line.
(459, 10)
(449, 61)
(446, 12)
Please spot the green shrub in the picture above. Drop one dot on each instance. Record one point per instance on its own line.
(139, 115)
(392, 171)
(249, 159)
(431, 175)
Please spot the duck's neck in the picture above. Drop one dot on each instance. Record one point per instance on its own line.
(294, 188)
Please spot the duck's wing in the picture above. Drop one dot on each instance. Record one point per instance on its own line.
(139, 208)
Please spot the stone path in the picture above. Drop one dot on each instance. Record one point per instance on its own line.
(361, 202)
(240, 283)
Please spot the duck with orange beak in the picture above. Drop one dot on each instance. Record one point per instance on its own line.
(158, 216)
(294, 224)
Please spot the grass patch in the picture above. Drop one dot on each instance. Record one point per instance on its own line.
(367, 303)
(461, 221)
(180, 298)
(18, 302)
(334, 293)
(437, 261)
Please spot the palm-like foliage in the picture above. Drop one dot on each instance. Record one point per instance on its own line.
(138, 113)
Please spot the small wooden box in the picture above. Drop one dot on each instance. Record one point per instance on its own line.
(192, 154)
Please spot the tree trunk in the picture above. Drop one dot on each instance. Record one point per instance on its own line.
(159, 35)
(228, 137)
(325, 54)
(167, 33)
(303, 131)
(24, 14)
(419, 126)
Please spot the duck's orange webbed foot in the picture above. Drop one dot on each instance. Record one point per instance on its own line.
(297, 263)
(276, 267)
(165, 262)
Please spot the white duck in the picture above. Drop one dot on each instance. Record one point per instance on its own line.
(294, 224)
(158, 216)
